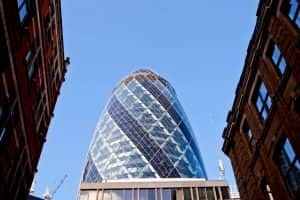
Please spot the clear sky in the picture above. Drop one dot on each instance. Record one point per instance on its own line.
(199, 46)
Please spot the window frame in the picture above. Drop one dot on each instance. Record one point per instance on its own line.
(264, 99)
(23, 4)
(277, 62)
(248, 134)
(291, 163)
(286, 9)
(32, 63)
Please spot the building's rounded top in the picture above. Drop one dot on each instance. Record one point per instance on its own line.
(144, 70)
(143, 133)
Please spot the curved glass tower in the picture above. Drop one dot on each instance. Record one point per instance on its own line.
(143, 132)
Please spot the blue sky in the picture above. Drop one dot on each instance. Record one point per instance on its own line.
(198, 46)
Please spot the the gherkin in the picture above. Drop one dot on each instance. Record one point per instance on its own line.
(143, 132)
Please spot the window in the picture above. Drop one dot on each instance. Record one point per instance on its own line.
(291, 9)
(289, 165)
(4, 61)
(277, 58)
(202, 193)
(262, 100)
(2, 134)
(5, 132)
(225, 192)
(194, 190)
(30, 64)
(143, 194)
(2, 113)
(23, 9)
(187, 194)
(246, 130)
(166, 194)
(151, 194)
(266, 189)
(210, 193)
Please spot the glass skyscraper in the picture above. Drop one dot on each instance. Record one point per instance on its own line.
(143, 132)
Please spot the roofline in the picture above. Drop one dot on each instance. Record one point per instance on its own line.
(251, 57)
(153, 183)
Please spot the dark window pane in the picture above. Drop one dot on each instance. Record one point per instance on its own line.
(210, 194)
(225, 192)
(173, 194)
(194, 193)
(187, 194)
(297, 165)
(217, 193)
(201, 193)
(31, 71)
(28, 57)
(289, 165)
(246, 130)
(3, 111)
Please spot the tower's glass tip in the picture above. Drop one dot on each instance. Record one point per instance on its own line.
(143, 132)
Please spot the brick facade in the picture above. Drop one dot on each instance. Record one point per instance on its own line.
(32, 69)
(260, 126)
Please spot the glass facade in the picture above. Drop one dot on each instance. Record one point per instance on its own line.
(187, 193)
(143, 132)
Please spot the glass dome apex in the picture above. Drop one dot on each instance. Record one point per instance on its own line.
(143, 133)
(144, 70)
(149, 73)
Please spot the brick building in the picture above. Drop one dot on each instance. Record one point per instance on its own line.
(32, 69)
(262, 137)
